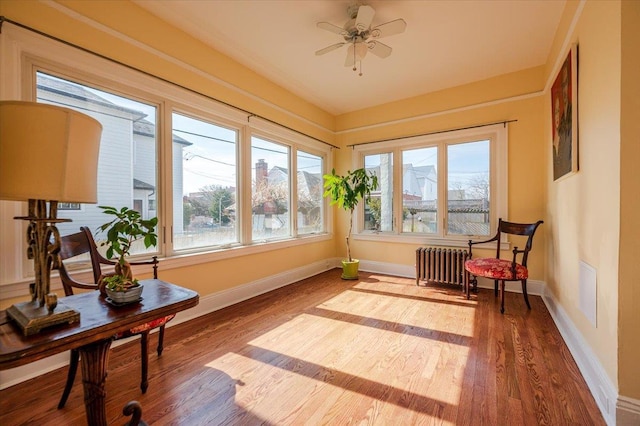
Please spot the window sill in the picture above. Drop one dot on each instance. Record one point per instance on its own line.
(183, 259)
(424, 240)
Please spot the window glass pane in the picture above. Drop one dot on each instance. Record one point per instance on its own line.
(270, 190)
(310, 192)
(378, 215)
(127, 164)
(204, 183)
(468, 188)
(420, 190)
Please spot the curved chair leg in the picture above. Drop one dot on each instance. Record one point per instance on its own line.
(524, 292)
(473, 282)
(144, 358)
(495, 288)
(502, 285)
(161, 340)
(71, 376)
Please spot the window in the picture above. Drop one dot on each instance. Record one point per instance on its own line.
(204, 183)
(173, 154)
(468, 188)
(379, 207)
(310, 189)
(270, 189)
(420, 190)
(127, 166)
(448, 186)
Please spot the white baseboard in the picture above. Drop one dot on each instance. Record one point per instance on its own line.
(17, 375)
(603, 391)
(222, 299)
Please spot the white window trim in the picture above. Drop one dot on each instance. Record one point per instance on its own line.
(21, 50)
(496, 133)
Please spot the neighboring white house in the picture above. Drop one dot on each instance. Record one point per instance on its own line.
(127, 161)
(420, 181)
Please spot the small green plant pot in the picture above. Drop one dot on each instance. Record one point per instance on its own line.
(350, 269)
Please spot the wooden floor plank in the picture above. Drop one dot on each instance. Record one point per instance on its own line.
(323, 351)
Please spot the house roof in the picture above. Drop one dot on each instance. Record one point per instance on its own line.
(141, 126)
(138, 184)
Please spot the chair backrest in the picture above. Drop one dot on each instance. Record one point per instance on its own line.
(82, 243)
(523, 229)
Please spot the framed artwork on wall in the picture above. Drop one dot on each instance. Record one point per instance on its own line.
(564, 117)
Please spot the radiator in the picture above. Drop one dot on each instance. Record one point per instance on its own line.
(444, 266)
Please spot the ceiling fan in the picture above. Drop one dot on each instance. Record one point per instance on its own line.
(360, 36)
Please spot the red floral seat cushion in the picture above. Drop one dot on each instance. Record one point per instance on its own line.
(145, 327)
(496, 269)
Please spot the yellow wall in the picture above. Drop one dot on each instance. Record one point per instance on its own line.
(584, 209)
(521, 100)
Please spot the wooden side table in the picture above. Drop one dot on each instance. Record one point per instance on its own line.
(92, 336)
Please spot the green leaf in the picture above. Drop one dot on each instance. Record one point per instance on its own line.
(126, 228)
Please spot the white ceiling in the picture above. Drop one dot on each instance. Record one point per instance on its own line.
(446, 43)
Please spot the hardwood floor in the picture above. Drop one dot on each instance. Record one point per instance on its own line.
(378, 351)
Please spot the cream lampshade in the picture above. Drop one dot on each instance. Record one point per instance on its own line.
(48, 154)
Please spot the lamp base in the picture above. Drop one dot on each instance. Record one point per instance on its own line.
(31, 317)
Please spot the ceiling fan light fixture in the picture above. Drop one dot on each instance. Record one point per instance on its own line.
(359, 35)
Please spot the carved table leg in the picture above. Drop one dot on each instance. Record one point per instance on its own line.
(94, 359)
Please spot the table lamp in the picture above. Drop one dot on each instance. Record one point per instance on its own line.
(48, 154)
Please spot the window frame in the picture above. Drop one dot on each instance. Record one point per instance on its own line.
(199, 114)
(497, 134)
(265, 137)
(23, 53)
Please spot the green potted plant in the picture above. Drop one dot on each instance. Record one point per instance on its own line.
(347, 191)
(122, 231)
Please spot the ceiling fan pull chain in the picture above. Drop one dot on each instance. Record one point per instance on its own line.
(360, 69)
(354, 56)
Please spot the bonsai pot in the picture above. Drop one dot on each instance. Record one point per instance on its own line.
(350, 269)
(125, 296)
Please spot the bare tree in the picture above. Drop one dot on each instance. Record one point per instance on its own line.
(478, 186)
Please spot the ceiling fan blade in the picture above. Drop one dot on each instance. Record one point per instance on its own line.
(364, 18)
(331, 28)
(350, 60)
(381, 50)
(329, 48)
(390, 28)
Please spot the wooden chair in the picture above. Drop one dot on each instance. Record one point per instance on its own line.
(82, 243)
(501, 269)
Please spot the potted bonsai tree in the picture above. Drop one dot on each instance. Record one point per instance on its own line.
(122, 231)
(347, 191)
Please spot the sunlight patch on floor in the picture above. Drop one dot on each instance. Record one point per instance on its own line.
(347, 356)
(406, 311)
(302, 389)
(321, 349)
